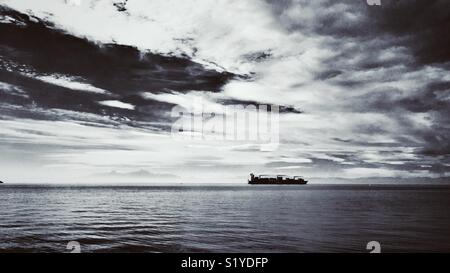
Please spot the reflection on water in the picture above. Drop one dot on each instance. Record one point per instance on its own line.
(311, 218)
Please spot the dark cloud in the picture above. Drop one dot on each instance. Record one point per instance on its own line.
(31, 47)
(394, 100)
(420, 25)
(283, 109)
(423, 25)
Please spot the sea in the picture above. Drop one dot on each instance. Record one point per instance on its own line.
(224, 218)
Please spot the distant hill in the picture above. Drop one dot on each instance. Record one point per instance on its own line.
(141, 174)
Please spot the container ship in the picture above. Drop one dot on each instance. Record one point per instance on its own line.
(276, 180)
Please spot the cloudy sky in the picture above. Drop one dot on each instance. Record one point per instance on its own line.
(87, 88)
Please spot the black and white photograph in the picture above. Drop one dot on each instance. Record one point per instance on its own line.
(225, 126)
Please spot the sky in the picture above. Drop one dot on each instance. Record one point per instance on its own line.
(88, 88)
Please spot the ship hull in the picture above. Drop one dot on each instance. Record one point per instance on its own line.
(277, 183)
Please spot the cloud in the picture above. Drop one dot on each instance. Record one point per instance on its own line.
(70, 83)
(117, 104)
(10, 89)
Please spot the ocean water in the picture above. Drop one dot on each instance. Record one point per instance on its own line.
(225, 218)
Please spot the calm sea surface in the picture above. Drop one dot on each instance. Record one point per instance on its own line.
(311, 218)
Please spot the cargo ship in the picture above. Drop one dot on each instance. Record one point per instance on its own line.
(276, 180)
